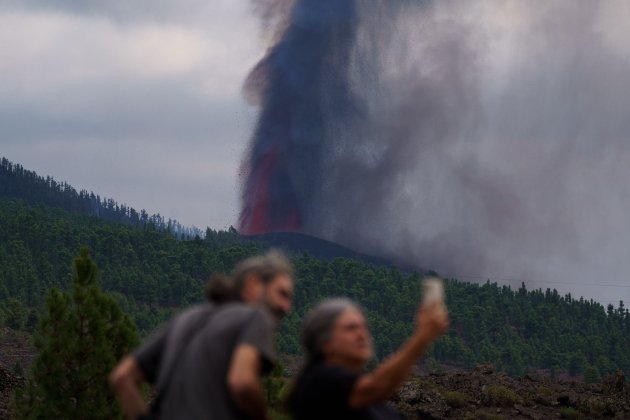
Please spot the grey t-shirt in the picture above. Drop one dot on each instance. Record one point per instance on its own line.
(196, 387)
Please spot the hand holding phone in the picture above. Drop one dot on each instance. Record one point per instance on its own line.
(432, 290)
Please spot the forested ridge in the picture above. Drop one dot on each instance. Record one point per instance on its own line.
(152, 274)
(18, 182)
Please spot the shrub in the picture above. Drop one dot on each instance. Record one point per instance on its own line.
(503, 396)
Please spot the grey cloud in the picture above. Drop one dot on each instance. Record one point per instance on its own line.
(478, 162)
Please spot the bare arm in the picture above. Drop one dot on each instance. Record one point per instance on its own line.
(125, 381)
(379, 385)
(244, 381)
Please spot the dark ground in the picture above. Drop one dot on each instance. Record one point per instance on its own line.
(485, 394)
(480, 393)
(16, 354)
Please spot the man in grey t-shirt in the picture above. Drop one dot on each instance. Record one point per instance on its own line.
(206, 363)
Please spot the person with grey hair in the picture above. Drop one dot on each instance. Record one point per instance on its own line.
(207, 362)
(338, 345)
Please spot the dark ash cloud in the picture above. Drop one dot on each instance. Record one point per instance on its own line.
(485, 140)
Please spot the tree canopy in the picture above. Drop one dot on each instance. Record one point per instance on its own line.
(81, 336)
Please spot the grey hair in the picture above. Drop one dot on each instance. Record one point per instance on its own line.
(319, 324)
(221, 288)
(316, 330)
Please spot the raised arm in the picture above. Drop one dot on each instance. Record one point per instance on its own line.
(379, 385)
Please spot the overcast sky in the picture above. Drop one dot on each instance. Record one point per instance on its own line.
(139, 101)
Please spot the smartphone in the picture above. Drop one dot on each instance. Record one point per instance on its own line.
(432, 290)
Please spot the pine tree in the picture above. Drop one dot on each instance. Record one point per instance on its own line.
(591, 375)
(80, 337)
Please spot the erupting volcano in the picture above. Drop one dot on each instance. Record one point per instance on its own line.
(271, 202)
(477, 138)
(301, 80)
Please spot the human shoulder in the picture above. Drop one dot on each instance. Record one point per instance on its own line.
(236, 308)
(231, 310)
(329, 379)
(154, 353)
(191, 312)
(244, 312)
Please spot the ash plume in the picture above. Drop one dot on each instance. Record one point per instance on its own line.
(484, 139)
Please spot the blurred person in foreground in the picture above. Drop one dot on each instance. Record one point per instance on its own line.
(206, 362)
(338, 345)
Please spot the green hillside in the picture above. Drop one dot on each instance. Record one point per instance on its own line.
(18, 182)
(152, 274)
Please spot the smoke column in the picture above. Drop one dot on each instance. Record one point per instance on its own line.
(302, 79)
(486, 139)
